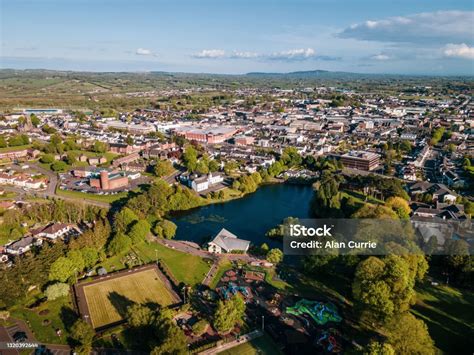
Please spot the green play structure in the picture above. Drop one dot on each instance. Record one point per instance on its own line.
(321, 312)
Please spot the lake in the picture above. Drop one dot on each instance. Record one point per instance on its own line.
(249, 217)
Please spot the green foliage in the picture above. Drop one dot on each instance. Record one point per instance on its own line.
(327, 198)
(172, 339)
(62, 270)
(90, 256)
(18, 140)
(409, 335)
(59, 166)
(165, 229)
(376, 348)
(99, 147)
(82, 335)
(56, 290)
(385, 286)
(119, 244)
(139, 231)
(163, 168)
(437, 135)
(190, 158)
(275, 256)
(3, 142)
(228, 314)
(200, 327)
(290, 157)
(123, 219)
(47, 158)
(76, 257)
(139, 316)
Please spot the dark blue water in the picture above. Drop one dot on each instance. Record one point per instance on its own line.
(249, 217)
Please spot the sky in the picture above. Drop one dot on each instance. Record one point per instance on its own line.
(428, 37)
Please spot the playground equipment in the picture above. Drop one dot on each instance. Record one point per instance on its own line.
(328, 341)
(231, 289)
(320, 312)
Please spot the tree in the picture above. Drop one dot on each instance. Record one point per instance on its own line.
(47, 158)
(173, 339)
(139, 231)
(200, 327)
(35, 121)
(76, 257)
(409, 335)
(71, 157)
(190, 158)
(82, 334)
(275, 256)
(123, 220)
(376, 348)
(99, 147)
(400, 206)
(163, 168)
(165, 229)
(56, 290)
(228, 314)
(90, 256)
(3, 142)
(385, 287)
(59, 166)
(290, 157)
(139, 316)
(62, 269)
(119, 244)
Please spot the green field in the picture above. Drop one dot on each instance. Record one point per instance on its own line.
(46, 318)
(108, 300)
(449, 314)
(263, 345)
(187, 268)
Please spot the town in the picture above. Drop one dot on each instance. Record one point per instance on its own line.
(94, 257)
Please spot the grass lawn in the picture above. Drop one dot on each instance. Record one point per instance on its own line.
(14, 149)
(59, 315)
(449, 315)
(187, 268)
(223, 267)
(108, 300)
(94, 197)
(263, 345)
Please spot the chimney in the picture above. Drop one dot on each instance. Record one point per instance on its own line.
(104, 180)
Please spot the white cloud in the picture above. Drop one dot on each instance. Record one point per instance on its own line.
(210, 53)
(289, 55)
(426, 28)
(380, 56)
(293, 54)
(459, 51)
(244, 55)
(144, 51)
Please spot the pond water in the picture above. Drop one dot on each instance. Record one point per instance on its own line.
(249, 217)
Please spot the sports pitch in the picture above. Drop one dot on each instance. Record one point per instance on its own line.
(107, 300)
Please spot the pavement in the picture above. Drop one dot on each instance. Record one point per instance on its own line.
(242, 340)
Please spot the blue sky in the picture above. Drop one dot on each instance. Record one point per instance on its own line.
(239, 36)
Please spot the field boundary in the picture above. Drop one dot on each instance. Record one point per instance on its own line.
(80, 299)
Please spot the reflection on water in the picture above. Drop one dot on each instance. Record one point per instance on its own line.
(249, 217)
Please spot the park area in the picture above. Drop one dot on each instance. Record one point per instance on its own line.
(104, 301)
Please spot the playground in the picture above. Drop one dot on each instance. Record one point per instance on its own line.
(320, 312)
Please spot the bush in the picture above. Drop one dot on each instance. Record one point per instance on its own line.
(200, 327)
(56, 290)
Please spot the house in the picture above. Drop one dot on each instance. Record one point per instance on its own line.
(201, 183)
(440, 192)
(23, 245)
(227, 242)
(52, 231)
